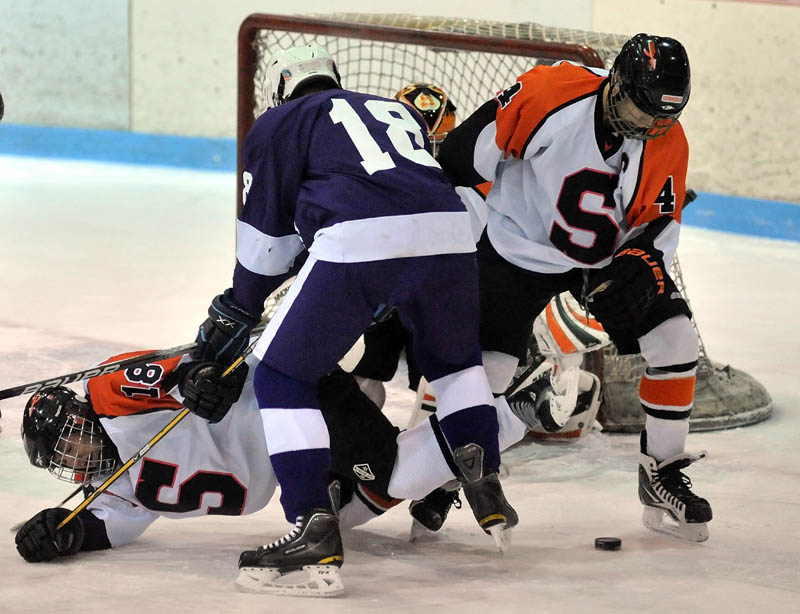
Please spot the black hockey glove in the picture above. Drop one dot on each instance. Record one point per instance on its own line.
(621, 294)
(39, 541)
(226, 332)
(209, 395)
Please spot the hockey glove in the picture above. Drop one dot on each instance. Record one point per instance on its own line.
(39, 541)
(210, 395)
(621, 294)
(226, 332)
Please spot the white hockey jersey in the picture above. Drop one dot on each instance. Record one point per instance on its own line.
(566, 192)
(201, 468)
(198, 468)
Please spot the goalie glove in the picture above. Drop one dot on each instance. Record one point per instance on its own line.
(621, 294)
(38, 540)
(226, 332)
(208, 394)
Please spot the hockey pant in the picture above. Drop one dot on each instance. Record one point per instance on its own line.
(327, 308)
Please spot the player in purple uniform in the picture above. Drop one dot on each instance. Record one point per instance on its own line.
(350, 178)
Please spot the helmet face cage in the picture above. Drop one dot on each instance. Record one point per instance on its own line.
(434, 106)
(649, 87)
(62, 433)
(627, 120)
(289, 68)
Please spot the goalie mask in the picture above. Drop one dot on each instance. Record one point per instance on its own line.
(649, 86)
(62, 434)
(288, 69)
(434, 106)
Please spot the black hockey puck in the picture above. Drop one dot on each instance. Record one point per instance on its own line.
(608, 543)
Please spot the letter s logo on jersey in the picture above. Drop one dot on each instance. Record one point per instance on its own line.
(504, 97)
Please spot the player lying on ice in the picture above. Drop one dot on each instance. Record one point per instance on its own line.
(214, 466)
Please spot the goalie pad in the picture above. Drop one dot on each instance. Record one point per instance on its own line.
(564, 332)
(583, 417)
(573, 405)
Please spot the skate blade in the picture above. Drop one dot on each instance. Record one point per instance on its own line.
(501, 537)
(310, 581)
(658, 520)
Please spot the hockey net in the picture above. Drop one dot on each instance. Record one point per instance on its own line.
(472, 60)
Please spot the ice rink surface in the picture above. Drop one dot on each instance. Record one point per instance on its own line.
(99, 258)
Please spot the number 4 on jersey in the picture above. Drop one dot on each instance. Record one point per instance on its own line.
(666, 199)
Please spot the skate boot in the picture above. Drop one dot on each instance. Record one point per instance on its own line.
(430, 512)
(532, 405)
(663, 489)
(485, 495)
(305, 562)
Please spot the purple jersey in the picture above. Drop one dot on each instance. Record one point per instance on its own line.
(350, 177)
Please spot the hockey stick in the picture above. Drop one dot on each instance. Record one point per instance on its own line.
(111, 367)
(70, 378)
(145, 448)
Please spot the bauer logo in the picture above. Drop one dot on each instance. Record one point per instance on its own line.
(71, 379)
(363, 472)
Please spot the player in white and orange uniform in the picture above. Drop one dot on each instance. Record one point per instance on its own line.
(205, 467)
(588, 169)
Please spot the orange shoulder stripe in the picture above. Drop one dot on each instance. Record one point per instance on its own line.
(523, 107)
(133, 390)
(664, 164)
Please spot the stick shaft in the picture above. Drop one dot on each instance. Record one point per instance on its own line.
(105, 369)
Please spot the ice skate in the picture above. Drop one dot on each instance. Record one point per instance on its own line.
(529, 403)
(663, 489)
(485, 496)
(430, 512)
(304, 563)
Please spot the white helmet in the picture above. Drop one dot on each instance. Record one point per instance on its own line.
(289, 68)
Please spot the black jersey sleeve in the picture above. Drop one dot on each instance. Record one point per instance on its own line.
(456, 153)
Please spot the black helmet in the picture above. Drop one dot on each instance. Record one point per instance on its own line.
(61, 432)
(652, 72)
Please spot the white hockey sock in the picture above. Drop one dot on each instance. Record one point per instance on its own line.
(500, 369)
(421, 467)
(665, 438)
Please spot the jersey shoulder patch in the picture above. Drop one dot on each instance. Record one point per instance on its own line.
(133, 390)
(538, 94)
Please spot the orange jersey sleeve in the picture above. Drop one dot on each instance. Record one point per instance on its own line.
(663, 179)
(524, 106)
(133, 390)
